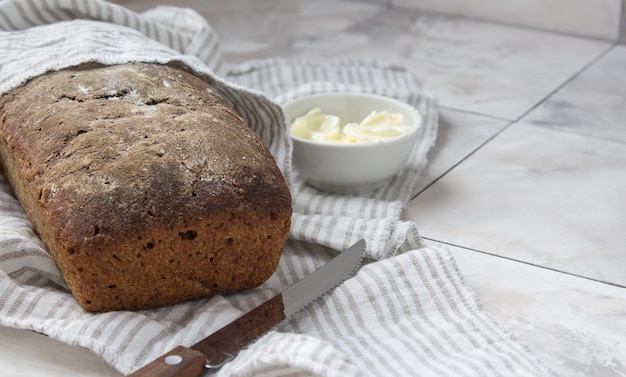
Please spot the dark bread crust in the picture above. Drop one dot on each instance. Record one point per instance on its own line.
(144, 184)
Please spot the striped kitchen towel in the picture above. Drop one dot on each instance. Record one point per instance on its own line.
(406, 312)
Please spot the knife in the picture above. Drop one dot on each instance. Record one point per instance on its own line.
(222, 346)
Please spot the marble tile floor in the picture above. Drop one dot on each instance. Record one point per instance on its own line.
(526, 185)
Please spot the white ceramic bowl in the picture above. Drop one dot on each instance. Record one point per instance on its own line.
(351, 168)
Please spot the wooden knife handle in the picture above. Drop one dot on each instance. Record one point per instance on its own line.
(222, 346)
(179, 362)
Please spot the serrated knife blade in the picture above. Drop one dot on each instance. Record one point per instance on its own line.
(222, 346)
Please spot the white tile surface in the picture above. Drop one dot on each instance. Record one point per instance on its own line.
(547, 197)
(591, 18)
(480, 67)
(578, 326)
(28, 354)
(593, 104)
(460, 134)
(267, 28)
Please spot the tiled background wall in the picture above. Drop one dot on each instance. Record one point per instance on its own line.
(601, 19)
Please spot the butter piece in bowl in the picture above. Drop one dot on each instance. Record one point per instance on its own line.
(351, 143)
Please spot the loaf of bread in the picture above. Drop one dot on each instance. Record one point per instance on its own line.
(144, 185)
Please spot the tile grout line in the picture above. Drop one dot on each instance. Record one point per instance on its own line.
(511, 122)
(529, 264)
(574, 76)
(520, 117)
(466, 111)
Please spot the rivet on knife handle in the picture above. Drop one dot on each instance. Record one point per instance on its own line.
(179, 362)
(220, 347)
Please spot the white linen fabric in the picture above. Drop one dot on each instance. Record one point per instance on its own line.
(406, 312)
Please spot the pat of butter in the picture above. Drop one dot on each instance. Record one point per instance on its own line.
(376, 127)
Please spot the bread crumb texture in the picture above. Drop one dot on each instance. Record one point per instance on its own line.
(146, 187)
